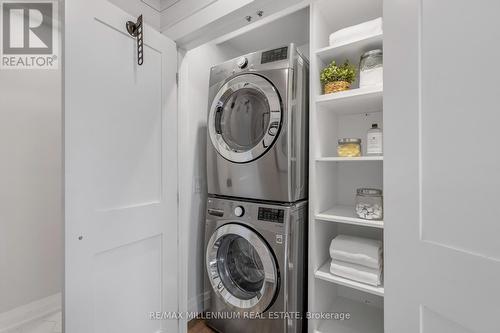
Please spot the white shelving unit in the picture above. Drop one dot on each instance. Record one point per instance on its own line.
(372, 318)
(324, 273)
(350, 50)
(360, 100)
(345, 214)
(350, 159)
(333, 179)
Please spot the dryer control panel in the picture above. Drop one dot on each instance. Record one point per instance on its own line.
(274, 55)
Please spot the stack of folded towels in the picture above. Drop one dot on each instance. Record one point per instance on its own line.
(357, 258)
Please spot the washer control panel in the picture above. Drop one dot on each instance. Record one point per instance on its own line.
(271, 214)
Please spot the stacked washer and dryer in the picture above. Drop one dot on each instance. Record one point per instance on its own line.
(257, 170)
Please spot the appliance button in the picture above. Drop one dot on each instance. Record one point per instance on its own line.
(239, 211)
(279, 239)
(242, 62)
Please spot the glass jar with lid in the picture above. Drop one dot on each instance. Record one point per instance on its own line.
(371, 71)
(369, 204)
(349, 147)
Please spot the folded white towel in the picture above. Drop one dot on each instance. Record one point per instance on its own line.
(356, 32)
(361, 251)
(356, 272)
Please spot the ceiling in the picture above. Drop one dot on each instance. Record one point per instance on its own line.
(193, 22)
(161, 5)
(163, 14)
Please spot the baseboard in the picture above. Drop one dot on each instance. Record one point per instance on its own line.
(29, 312)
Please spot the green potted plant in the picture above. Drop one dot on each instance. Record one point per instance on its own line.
(337, 78)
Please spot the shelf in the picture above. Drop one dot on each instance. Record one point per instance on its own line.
(360, 100)
(352, 50)
(350, 159)
(334, 179)
(364, 318)
(345, 214)
(324, 274)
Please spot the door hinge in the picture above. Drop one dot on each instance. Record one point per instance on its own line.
(177, 78)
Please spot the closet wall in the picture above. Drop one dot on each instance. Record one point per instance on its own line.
(193, 96)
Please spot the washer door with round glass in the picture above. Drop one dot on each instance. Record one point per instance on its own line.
(242, 268)
(245, 118)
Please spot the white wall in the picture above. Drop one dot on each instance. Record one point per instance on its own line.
(31, 224)
(193, 103)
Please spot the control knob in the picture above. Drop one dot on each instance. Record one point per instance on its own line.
(242, 62)
(239, 211)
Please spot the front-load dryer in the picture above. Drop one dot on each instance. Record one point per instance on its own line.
(257, 145)
(255, 263)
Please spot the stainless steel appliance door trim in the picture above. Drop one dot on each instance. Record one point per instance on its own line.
(263, 299)
(262, 85)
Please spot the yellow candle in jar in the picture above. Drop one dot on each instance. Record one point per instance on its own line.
(349, 147)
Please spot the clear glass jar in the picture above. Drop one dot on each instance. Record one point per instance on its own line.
(371, 71)
(369, 204)
(349, 147)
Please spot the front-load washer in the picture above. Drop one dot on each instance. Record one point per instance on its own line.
(257, 143)
(255, 264)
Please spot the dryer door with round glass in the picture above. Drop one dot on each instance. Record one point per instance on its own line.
(245, 118)
(242, 268)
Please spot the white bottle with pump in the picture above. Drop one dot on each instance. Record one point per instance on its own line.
(374, 141)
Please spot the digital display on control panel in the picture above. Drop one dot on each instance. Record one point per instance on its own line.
(271, 215)
(274, 55)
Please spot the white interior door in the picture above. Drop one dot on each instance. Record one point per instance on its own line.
(121, 174)
(441, 117)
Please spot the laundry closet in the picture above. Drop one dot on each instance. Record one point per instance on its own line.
(136, 135)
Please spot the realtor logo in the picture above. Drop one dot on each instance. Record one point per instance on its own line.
(29, 34)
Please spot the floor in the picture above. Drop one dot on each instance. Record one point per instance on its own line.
(48, 324)
(53, 324)
(198, 326)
